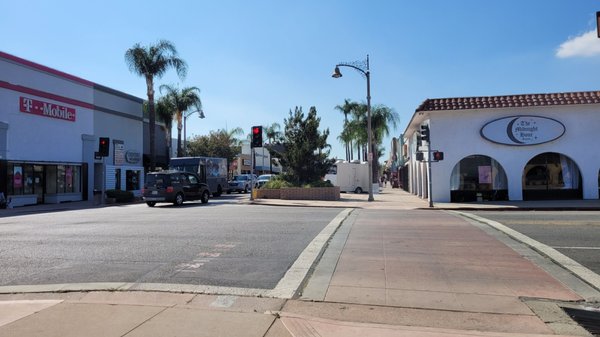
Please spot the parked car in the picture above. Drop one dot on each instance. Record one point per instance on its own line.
(175, 187)
(241, 183)
(263, 179)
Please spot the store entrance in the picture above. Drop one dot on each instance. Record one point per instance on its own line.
(39, 183)
(551, 176)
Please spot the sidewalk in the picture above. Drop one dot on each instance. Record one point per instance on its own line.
(394, 268)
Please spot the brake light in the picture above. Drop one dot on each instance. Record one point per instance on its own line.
(170, 189)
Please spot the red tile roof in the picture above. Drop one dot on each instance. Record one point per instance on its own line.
(511, 101)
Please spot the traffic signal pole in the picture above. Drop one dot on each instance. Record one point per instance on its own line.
(429, 183)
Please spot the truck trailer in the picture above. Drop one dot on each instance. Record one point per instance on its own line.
(349, 176)
(212, 171)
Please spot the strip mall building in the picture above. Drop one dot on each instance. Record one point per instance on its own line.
(519, 147)
(50, 124)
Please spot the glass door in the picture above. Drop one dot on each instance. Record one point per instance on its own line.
(38, 182)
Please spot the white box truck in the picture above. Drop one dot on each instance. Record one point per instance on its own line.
(349, 176)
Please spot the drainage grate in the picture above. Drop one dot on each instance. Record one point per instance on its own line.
(588, 319)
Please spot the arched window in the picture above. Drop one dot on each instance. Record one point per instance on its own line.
(551, 176)
(478, 177)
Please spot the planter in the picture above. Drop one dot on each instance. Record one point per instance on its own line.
(267, 193)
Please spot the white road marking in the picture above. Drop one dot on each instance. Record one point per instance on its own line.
(591, 248)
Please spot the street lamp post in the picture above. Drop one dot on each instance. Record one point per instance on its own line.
(363, 67)
(185, 117)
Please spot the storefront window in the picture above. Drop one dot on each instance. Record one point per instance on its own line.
(551, 176)
(28, 179)
(133, 180)
(478, 177)
(51, 174)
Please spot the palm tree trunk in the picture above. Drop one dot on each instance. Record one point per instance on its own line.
(179, 150)
(151, 121)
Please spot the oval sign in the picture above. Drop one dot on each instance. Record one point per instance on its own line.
(522, 130)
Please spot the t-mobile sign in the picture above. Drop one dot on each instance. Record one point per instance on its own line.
(46, 109)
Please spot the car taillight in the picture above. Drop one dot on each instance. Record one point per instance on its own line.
(170, 189)
(143, 191)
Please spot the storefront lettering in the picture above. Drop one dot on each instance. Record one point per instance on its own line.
(32, 106)
(522, 130)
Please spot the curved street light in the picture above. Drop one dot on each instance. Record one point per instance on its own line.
(363, 67)
(185, 117)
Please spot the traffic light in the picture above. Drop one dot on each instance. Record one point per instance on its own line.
(103, 146)
(438, 155)
(257, 138)
(425, 133)
(419, 156)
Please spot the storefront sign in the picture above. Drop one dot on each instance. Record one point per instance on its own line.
(132, 157)
(46, 109)
(119, 154)
(522, 130)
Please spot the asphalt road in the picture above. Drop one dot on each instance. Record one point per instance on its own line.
(219, 244)
(575, 234)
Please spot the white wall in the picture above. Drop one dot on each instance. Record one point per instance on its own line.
(457, 134)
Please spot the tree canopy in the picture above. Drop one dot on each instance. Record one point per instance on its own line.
(305, 154)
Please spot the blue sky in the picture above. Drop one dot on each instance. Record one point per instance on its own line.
(256, 60)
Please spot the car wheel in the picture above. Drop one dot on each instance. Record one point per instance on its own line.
(150, 203)
(358, 190)
(205, 196)
(178, 199)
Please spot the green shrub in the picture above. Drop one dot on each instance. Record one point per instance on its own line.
(120, 195)
(278, 183)
(319, 183)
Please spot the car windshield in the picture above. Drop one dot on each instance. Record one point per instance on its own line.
(265, 177)
(240, 178)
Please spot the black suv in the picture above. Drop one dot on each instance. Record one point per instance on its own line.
(175, 187)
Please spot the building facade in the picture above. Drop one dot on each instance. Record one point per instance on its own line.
(519, 147)
(50, 124)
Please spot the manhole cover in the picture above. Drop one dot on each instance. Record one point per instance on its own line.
(588, 319)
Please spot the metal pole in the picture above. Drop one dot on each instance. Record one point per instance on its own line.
(184, 135)
(429, 183)
(252, 152)
(369, 131)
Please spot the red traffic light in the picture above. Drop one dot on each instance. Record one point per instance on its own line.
(438, 155)
(255, 130)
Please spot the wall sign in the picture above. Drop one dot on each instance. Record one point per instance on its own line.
(133, 157)
(46, 109)
(522, 130)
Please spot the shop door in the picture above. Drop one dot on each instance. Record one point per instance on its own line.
(38, 182)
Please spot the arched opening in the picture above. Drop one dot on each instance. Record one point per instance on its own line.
(478, 178)
(551, 176)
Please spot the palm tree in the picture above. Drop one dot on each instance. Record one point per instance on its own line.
(154, 61)
(273, 134)
(382, 118)
(164, 113)
(347, 108)
(187, 98)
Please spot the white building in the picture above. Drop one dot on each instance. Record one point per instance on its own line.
(50, 124)
(519, 147)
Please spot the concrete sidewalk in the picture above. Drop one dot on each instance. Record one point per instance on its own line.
(392, 269)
